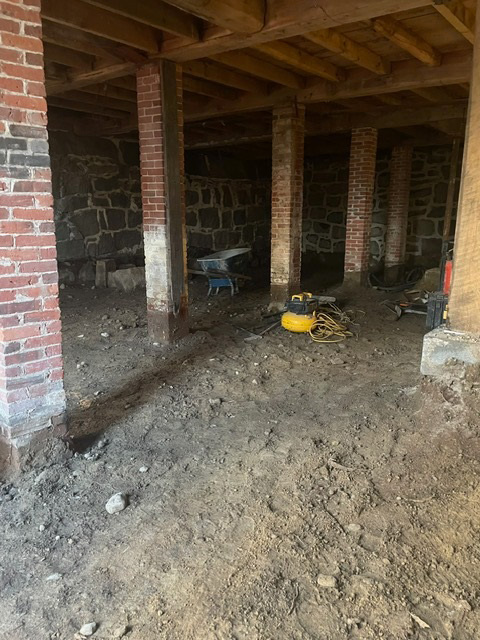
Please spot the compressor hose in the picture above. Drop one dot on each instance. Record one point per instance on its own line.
(331, 326)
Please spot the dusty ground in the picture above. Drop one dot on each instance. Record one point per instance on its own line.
(294, 490)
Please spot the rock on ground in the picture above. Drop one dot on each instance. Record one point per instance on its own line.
(118, 502)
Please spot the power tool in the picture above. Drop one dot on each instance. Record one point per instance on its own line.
(300, 311)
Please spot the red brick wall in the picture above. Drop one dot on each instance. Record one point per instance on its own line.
(287, 197)
(361, 185)
(398, 201)
(163, 199)
(31, 369)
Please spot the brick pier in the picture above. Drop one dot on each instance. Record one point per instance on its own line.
(32, 399)
(398, 200)
(287, 198)
(361, 185)
(160, 121)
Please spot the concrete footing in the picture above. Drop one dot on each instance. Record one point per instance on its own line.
(443, 345)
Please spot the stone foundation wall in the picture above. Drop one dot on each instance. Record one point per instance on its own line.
(98, 207)
(325, 204)
(98, 212)
(225, 214)
(97, 202)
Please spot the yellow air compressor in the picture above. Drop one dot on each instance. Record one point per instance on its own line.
(300, 314)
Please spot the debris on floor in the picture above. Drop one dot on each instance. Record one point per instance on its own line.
(294, 490)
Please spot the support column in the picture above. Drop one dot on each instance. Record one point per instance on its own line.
(398, 202)
(461, 340)
(361, 185)
(32, 399)
(160, 123)
(287, 199)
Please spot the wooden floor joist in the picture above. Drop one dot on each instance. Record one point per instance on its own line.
(285, 19)
(339, 43)
(246, 56)
(216, 73)
(284, 52)
(241, 16)
(260, 68)
(405, 75)
(406, 39)
(102, 23)
(154, 13)
(459, 16)
(92, 76)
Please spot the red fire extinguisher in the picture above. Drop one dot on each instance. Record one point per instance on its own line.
(447, 274)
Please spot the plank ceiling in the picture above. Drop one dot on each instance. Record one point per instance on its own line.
(353, 64)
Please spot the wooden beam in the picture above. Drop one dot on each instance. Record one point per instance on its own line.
(79, 14)
(80, 41)
(392, 99)
(74, 105)
(453, 128)
(111, 91)
(125, 82)
(205, 69)
(459, 16)
(452, 188)
(406, 75)
(154, 13)
(327, 125)
(81, 79)
(74, 122)
(240, 16)
(209, 141)
(338, 43)
(405, 39)
(464, 299)
(299, 59)
(260, 68)
(210, 89)
(434, 94)
(126, 124)
(99, 100)
(357, 104)
(384, 118)
(67, 57)
(285, 19)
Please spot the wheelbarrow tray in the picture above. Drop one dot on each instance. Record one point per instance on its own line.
(225, 261)
(221, 266)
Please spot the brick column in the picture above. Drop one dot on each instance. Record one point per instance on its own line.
(398, 201)
(32, 399)
(287, 198)
(361, 185)
(160, 120)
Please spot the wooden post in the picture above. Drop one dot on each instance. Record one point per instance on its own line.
(452, 187)
(464, 302)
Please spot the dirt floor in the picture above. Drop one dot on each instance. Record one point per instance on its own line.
(278, 489)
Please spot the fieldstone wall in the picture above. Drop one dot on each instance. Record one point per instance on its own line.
(325, 204)
(97, 202)
(98, 207)
(428, 197)
(224, 214)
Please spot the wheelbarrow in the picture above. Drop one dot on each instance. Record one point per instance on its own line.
(225, 269)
